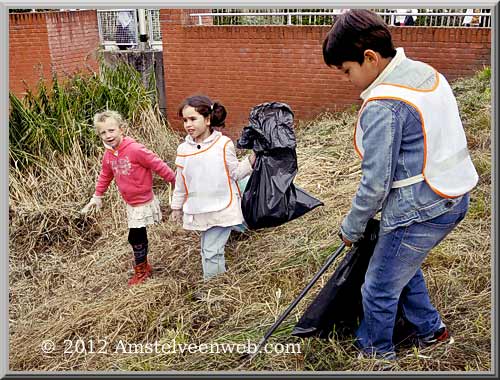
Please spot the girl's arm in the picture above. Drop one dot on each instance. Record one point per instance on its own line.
(179, 195)
(237, 169)
(105, 177)
(150, 160)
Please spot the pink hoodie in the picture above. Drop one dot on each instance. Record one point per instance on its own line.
(132, 166)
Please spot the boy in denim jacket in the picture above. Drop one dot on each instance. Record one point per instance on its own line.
(416, 170)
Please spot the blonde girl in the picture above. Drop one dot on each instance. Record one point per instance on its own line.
(132, 167)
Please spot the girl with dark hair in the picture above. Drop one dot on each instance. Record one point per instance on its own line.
(207, 197)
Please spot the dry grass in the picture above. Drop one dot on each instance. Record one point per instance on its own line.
(68, 275)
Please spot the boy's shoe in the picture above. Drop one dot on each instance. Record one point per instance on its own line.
(441, 335)
(142, 272)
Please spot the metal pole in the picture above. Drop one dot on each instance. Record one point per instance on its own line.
(143, 37)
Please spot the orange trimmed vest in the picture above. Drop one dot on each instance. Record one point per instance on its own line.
(206, 177)
(448, 168)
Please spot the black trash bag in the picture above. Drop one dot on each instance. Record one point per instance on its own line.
(270, 197)
(338, 306)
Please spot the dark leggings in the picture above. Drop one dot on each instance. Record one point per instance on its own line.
(138, 239)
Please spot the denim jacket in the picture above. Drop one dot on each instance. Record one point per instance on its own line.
(394, 150)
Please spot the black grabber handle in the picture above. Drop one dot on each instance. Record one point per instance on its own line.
(325, 266)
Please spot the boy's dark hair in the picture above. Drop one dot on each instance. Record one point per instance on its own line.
(354, 32)
(206, 107)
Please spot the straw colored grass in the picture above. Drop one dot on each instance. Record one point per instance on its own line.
(68, 274)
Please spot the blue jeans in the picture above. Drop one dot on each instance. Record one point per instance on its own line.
(394, 277)
(213, 242)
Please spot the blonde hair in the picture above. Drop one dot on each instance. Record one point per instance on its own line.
(101, 117)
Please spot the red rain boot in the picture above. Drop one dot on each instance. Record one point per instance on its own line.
(142, 272)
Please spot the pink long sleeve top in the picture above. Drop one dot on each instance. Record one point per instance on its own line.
(132, 166)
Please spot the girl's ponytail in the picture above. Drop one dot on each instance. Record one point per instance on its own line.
(218, 115)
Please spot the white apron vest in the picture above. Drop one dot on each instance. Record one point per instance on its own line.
(448, 168)
(206, 178)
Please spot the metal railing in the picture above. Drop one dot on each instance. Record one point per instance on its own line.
(420, 17)
(118, 28)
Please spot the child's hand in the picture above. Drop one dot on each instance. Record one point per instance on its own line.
(176, 216)
(95, 201)
(346, 241)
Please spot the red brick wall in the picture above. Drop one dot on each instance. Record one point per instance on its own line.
(243, 66)
(40, 43)
(456, 52)
(73, 40)
(29, 54)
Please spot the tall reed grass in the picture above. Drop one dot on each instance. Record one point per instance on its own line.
(55, 156)
(55, 116)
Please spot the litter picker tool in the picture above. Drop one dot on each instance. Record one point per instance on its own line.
(325, 266)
